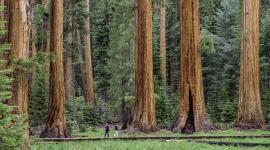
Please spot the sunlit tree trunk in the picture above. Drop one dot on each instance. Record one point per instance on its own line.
(89, 89)
(249, 107)
(192, 114)
(163, 40)
(56, 123)
(144, 111)
(18, 36)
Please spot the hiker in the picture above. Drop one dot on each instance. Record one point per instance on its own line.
(107, 130)
(116, 131)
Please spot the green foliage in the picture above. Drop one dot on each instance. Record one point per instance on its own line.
(39, 92)
(229, 112)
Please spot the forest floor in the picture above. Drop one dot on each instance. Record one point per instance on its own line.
(37, 144)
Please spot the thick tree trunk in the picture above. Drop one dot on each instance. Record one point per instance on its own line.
(69, 73)
(249, 107)
(144, 111)
(192, 114)
(56, 123)
(163, 40)
(18, 36)
(89, 89)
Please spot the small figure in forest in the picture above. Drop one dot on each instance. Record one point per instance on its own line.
(107, 130)
(116, 131)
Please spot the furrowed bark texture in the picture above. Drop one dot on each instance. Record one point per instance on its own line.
(249, 107)
(56, 123)
(18, 36)
(89, 89)
(144, 112)
(192, 115)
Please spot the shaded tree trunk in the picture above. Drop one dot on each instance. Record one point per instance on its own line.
(69, 73)
(144, 111)
(192, 114)
(249, 107)
(56, 123)
(89, 89)
(18, 36)
(163, 40)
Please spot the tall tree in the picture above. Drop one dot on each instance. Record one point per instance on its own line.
(192, 114)
(249, 107)
(69, 73)
(89, 89)
(163, 39)
(144, 112)
(18, 36)
(56, 123)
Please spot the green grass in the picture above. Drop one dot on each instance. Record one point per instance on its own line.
(100, 133)
(136, 145)
(150, 144)
(248, 140)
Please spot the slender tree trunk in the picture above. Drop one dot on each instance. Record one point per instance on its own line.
(89, 89)
(192, 114)
(144, 111)
(249, 107)
(56, 123)
(163, 40)
(69, 73)
(82, 64)
(18, 36)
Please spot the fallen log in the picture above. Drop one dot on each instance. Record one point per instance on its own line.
(234, 143)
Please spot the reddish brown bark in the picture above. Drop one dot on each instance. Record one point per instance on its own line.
(249, 108)
(144, 111)
(163, 40)
(18, 36)
(192, 114)
(88, 89)
(56, 123)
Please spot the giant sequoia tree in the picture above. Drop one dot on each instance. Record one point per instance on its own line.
(249, 107)
(163, 39)
(56, 123)
(192, 114)
(89, 89)
(18, 36)
(144, 112)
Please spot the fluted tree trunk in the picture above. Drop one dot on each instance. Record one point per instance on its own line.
(144, 111)
(249, 108)
(163, 40)
(56, 123)
(88, 89)
(192, 114)
(18, 36)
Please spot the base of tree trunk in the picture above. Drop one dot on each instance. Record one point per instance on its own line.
(55, 132)
(251, 125)
(142, 128)
(190, 128)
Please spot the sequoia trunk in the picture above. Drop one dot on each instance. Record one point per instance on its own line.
(192, 114)
(249, 107)
(56, 123)
(89, 89)
(163, 40)
(144, 112)
(18, 36)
